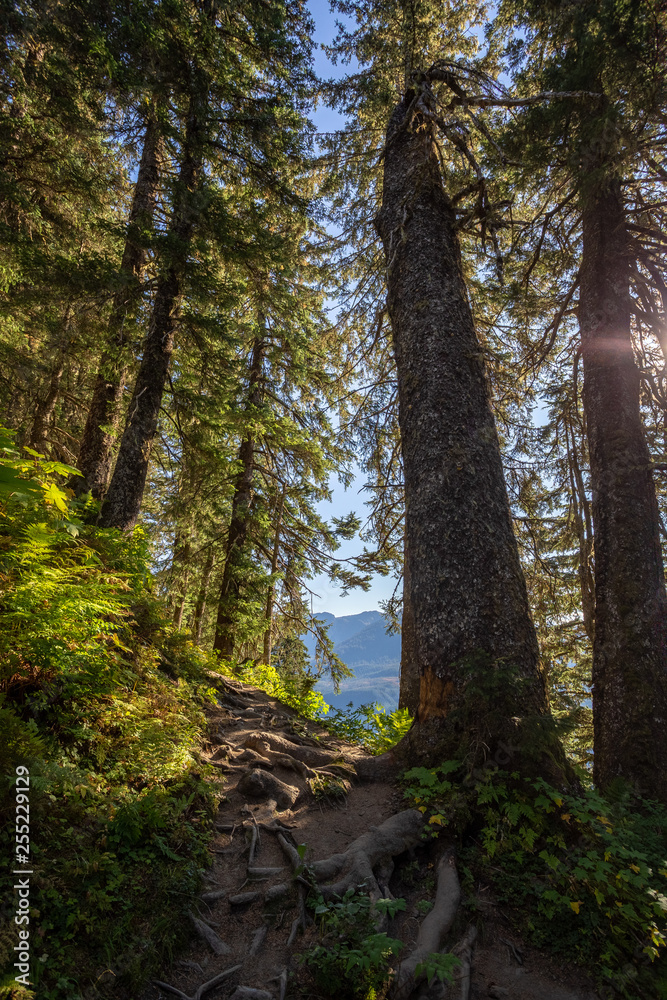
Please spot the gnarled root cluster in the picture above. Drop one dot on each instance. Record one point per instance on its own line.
(365, 865)
(368, 861)
(397, 834)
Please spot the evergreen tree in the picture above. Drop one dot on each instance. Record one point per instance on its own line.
(468, 594)
(95, 449)
(266, 134)
(605, 137)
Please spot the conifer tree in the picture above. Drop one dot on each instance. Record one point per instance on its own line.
(122, 503)
(468, 594)
(245, 149)
(59, 189)
(95, 449)
(603, 139)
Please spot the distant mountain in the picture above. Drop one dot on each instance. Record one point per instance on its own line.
(363, 644)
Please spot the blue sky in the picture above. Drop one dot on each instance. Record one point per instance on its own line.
(328, 597)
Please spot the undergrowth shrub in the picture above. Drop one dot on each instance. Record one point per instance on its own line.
(371, 726)
(290, 690)
(102, 700)
(585, 875)
(352, 959)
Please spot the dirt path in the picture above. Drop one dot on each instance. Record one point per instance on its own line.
(251, 921)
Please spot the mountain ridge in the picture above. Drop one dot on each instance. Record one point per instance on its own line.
(362, 642)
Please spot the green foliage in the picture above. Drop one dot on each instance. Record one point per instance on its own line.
(102, 700)
(288, 689)
(352, 959)
(586, 874)
(439, 966)
(369, 725)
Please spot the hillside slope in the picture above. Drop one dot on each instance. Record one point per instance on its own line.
(362, 642)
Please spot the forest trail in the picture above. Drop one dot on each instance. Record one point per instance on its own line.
(251, 920)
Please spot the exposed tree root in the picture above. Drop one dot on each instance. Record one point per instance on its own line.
(366, 864)
(208, 934)
(464, 950)
(201, 990)
(258, 939)
(258, 783)
(433, 929)
(282, 983)
(244, 898)
(250, 993)
(397, 834)
(384, 767)
(268, 743)
(213, 897)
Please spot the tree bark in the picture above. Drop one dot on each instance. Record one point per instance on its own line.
(123, 501)
(105, 406)
(46, 408)
(239, 522)
(467, 589)
(584, 534)
(270, 595)
(410, 674)
(630, 646)
(198, 617)
(180, 573)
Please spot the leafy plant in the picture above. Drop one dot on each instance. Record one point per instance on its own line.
(423, 906)
(352, 958)
(89, 701)
(589, 872)
(303, 699)
(438, 966)
(369, 725)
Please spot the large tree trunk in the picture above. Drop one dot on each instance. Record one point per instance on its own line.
(467, 589)
(198, 617)
(582, 518)
(123, 501)
(105, 406)
(630, 646)
(270, 594)
(39, 432)
(240, 519)
(38, 437)
(410, 674)
(180, 574)
(223, 642)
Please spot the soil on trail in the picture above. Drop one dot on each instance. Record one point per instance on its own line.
(251, 917)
